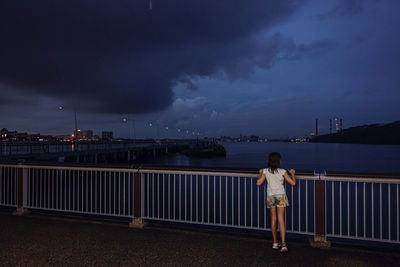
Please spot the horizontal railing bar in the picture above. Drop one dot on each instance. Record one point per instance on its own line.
(383, 240)
(360, 179)
(245, 171)
(80, 212)
(242, 175)
(219, 172)
(8, 205)
(362, 174)
(249, 175)
(143, 167)
(251, 171)
(223, 225)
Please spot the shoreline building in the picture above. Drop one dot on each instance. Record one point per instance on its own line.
(84, 134)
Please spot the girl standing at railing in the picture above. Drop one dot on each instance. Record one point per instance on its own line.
(276, 195)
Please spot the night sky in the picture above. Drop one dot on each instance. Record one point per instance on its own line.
(213, 67)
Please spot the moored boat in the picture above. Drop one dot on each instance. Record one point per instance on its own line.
(206, 150)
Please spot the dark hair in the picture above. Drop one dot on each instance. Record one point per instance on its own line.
(274, 161)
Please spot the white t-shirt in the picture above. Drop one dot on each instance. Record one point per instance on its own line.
(275, 182)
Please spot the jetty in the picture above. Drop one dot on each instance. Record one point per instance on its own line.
(89, 152)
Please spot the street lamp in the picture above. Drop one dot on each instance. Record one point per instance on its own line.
(133, 128)
(76, 123)
(166, 134)
(158, 129)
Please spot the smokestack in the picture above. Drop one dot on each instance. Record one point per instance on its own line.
(330, 126)
(336, 125)
(316, 127)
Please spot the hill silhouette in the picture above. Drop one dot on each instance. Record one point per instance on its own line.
(365, 134)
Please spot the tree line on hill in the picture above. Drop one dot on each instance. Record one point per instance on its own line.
(365, 134)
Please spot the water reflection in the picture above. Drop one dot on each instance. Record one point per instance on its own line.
(301, 156)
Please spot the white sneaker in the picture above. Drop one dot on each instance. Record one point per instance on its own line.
(275, 245)
(284, 248)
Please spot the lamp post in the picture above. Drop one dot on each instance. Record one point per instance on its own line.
(76, 122)
(132, 132)
(157, 129)
(166, 134)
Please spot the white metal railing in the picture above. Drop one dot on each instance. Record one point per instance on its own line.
(363, 208)
(355, 207)
(8, 186)
(222, 199)
(95, 191)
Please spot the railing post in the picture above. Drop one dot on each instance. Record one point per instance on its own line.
(319, 240)
(137, 221)
(22, 191)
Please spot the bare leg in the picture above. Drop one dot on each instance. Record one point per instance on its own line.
(273, 224)
(281, 220)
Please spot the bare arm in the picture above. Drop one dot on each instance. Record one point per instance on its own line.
(261, 177)
(291, 179)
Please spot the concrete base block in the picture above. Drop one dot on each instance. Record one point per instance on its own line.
(20, 212)
(320, 241)
(137, 223)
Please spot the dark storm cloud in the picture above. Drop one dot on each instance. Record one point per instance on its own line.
(6, 100)
(189, 84)
(291, 51)
(122, 57)
(263, 52)
(11, 98)
(344, 8)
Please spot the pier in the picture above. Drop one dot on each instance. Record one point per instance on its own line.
(89, 152)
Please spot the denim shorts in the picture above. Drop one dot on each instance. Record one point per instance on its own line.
(277, 201)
